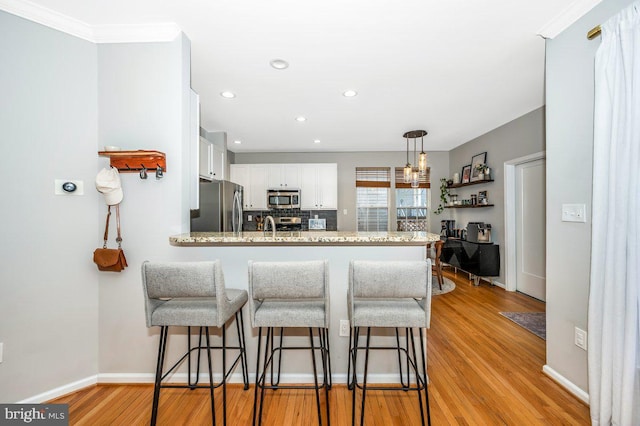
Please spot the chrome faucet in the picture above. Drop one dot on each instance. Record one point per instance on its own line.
(267, 220)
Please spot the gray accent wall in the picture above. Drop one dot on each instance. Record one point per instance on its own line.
(569, 93)
(347, 163)
(48, 283)
(518, 138)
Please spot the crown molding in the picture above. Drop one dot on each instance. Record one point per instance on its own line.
(133, 33)
(568, 16)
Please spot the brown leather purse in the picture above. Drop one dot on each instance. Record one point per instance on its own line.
(111, 259)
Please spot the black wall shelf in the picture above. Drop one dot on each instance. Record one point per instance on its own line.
(468, 206)
(460, 185)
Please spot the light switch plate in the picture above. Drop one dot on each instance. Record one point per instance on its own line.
(580, 338)
(574, 213)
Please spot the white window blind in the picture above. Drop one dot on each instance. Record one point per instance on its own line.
(372, 198)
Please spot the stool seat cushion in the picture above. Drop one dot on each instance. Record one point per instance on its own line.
(288, 313)
(196, 311)
(389, 313)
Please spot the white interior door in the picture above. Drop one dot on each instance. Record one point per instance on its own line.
(531, 229)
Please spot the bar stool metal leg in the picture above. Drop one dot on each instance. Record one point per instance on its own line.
(211, 385)
(243, 350)
(162, 344)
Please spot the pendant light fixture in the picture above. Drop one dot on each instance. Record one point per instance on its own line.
(412, 174)
(407, 167)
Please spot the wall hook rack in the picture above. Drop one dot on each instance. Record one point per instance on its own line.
(147, 160)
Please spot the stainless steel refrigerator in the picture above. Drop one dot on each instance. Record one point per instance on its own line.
(220, 207)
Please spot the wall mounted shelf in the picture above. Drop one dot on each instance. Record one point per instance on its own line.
(134, 161)
(469, 206)
(477, 182)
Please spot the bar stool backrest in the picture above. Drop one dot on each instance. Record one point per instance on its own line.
(294, 280)
(389, 279)
(288, 280)
(167, 280)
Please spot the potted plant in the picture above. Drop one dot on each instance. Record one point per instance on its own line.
(482, 170)
(444, 193)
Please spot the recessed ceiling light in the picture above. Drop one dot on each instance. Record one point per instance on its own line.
(316, 141)
(349, 93)
(237, 142)
(228, 95)
(279, 64)
(301, 119)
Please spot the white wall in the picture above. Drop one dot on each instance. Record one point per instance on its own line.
(48, 283)
(569, 94)
(144, 103)
(347, 162)
(520, 137)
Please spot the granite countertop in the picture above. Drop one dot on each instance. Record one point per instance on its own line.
(304, 238)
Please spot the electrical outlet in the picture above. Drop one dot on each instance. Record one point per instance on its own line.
(249, 218)
(344, 328)
(580, 338)
(1, 347)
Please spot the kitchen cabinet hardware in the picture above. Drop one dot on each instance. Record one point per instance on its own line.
(136, 161)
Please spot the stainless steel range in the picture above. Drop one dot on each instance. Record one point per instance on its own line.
(287, 223)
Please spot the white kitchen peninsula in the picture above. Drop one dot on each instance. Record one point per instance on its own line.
(235, 250)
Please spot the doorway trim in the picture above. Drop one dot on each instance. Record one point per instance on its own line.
(510, 215)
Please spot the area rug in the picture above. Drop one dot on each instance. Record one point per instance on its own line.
(447, 286)
(535, 322)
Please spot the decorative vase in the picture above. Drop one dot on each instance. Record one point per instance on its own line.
(481, 176)
(456, 178)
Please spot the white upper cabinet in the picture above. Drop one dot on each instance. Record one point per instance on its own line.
(283, 176)
(253, 178)
(319, 186)
(318, 183)
(211, 160)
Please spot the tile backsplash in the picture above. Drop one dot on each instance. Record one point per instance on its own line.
(331, 217)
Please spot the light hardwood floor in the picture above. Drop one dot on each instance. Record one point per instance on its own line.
(483, 370)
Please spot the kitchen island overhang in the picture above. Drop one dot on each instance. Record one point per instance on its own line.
(303, 238)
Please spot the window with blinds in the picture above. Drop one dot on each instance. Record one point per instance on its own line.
(372, 198)
(412, 204)
(424, 181)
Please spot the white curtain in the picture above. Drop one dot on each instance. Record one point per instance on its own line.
(614, 299)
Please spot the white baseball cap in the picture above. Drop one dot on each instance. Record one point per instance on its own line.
(108, 183)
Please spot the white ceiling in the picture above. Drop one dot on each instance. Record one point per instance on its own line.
(457, 69)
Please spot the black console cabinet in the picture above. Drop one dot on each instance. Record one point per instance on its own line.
(480, 259)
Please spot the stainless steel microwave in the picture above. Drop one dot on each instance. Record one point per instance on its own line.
(283, 198)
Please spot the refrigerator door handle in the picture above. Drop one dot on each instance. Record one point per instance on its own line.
(237, 212)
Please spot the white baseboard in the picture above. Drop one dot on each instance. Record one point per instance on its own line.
(567, 384)
(499, 284)
(60, 391)
(130, 378)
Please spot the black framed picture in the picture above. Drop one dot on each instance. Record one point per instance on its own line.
(477, 161)
(466, 173)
